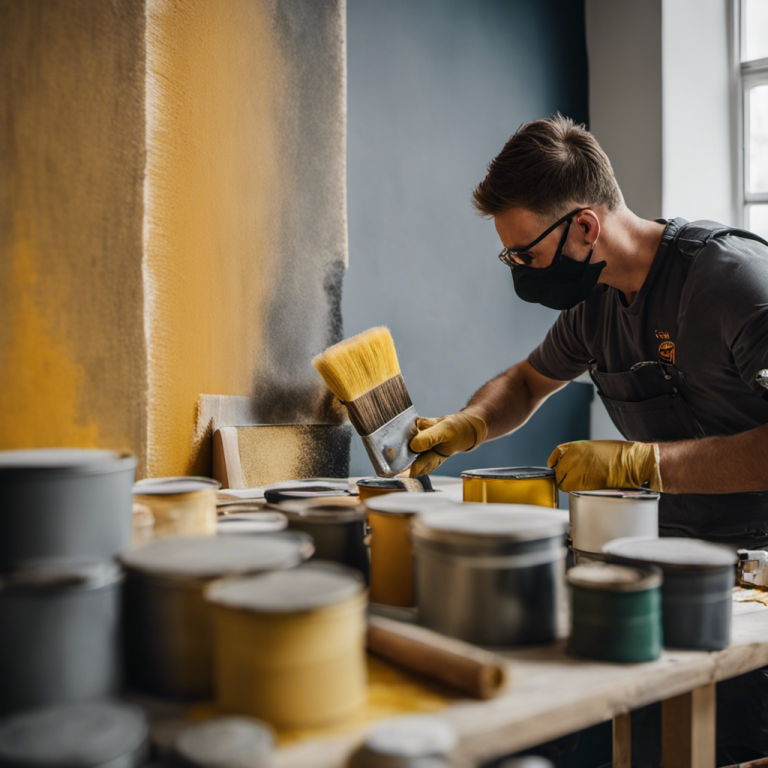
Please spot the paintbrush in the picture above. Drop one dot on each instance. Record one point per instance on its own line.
(364, 374)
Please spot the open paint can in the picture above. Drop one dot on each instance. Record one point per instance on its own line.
(511, 485)
(168, 624)
(290, 645)
(59, 634)
(64, 503)
(615, 613)
(249, 522)
(368, 487)
(389, 518)
(96, 734)
(696, 598)
(181, 506)
(490, 573)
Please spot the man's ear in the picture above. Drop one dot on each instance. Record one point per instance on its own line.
(589, 223)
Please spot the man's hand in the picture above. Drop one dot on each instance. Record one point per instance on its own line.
(587, 465)
(442, 437)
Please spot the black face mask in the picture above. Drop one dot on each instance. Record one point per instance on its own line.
(564, 283)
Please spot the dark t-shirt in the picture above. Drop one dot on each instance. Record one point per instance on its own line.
(705, 309)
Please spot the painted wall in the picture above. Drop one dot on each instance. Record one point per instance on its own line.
(435, 90)
(72, 352)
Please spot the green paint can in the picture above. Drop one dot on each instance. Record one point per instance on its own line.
(615, 613)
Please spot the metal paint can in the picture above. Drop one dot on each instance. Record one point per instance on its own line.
(290, 645)
(511, 485)
(59, 634)
(224, 742)
(696, 599)
(368, 487)
(490, 574)
(168, 624)
(615, 613)
(597, 517)
(389, 518)
(182, 506)
(337, 529)
(64, 503)
(248, 523)
(416, 741)
(96, 734)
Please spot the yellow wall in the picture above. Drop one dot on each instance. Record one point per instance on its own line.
(172, 217)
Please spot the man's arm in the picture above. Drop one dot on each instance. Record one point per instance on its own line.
(509, 400)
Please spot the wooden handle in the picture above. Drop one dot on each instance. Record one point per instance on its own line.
(480, 673)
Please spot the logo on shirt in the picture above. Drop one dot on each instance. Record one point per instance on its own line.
(662, 335)
(667, 352)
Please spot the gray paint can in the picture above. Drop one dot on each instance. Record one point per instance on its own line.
(60, 638)
(64, 503)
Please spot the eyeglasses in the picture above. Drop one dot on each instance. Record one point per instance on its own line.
(510, 257)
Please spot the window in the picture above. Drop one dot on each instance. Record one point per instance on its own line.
(752, 57)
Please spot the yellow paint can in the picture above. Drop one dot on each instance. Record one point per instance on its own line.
(511, 485)
(289, 647)
(181, 506)
(389, 518)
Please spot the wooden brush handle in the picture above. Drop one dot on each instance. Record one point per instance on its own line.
(480, 673)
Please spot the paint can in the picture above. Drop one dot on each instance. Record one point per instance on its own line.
(142, 525)
(182, 506)
(696, 599)
(246, 523)
(337, 529)
(615, 613)
(368, 487)
(290, 645)
(168, 629)
(64, 503)
(59, 634)
(490, 573)
(416, 741)
(597, 517)
(389, 518)
(224, 742)
(97, 734)
(511, 485)
(310, 488)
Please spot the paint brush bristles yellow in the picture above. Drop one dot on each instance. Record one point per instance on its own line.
(364, 374)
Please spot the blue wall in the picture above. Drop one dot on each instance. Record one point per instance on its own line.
(435, 88)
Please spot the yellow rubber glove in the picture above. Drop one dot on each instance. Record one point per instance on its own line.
(587, 465)
(440, 438)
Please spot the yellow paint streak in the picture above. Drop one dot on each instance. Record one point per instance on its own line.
(42, 387)
(213, 197)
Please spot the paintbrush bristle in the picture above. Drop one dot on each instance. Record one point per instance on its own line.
(358, 364)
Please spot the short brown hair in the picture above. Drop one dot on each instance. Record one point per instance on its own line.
(546, 166)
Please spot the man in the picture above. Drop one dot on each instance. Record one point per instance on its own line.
(670, 319)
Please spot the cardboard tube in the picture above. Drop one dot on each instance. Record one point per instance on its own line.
(470, 669)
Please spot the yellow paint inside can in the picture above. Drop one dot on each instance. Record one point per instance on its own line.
(391, 558)
(511, 485)
(295, 669)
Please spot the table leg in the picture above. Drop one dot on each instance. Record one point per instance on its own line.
(622, 741)
(688, 729)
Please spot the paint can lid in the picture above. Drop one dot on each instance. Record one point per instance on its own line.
(510, 473)
(497, 523)
(672, 552)
(408, 503)
(410, 737)
(73, 736)
(225, 742)
(208, 557)
(409, 484)
(608, 577)
(345, 509)
(305, 588)
(64, 461)
(635, 494)
(311, 488)
(61, 575)
(170, 486)
(251, 522)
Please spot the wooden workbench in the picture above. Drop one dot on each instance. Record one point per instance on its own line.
(551, 695)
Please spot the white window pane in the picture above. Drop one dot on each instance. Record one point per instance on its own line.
(757, 220)
(755, 29)
(757, 139)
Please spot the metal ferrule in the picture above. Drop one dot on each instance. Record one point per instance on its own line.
(388, 447)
